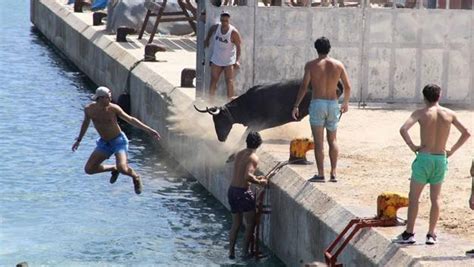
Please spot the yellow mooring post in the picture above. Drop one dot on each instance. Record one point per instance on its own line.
(388, 204)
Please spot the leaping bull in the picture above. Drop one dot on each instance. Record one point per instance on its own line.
(261, 107)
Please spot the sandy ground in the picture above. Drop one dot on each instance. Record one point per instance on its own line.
(375, 159)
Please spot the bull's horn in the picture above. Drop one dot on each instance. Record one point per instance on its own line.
(201, 110)
(214, 110)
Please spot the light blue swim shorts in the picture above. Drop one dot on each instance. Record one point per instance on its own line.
(325, 113)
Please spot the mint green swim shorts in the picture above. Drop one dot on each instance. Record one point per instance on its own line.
(429, 168)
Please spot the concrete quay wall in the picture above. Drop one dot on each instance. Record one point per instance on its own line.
(304, 220)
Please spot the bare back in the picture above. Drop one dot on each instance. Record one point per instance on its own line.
(435, 124)
(104, 119)
(325, 73)
(245, 163)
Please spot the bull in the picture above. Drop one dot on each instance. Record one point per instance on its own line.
(261, 107)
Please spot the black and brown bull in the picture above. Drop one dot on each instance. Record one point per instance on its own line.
(261, 107)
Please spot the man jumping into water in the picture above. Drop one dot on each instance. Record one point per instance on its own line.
(241, 198)
(431, 162)
(112, 140)
(324, 74)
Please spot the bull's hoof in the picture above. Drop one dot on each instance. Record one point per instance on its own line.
(150, 51)
(97, 18)
(122, 33)
(79, 4)
(187, 76)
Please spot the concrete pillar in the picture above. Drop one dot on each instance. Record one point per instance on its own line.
(200, 59)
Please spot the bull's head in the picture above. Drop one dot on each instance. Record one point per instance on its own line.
(222, 121)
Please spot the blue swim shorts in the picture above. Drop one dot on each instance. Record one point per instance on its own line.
(325, 113)
(117, 145)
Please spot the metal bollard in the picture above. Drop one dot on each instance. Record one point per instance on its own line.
(97, 18)
(122, 33)
(150, 51)
(187, 76)
(79, 4)
(298, 149)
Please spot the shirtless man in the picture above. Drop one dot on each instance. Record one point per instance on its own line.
(324, 73)
(225, 54)
(431, 162)
(471, 202)
(241, 198)
(112, 140)
(471, 199)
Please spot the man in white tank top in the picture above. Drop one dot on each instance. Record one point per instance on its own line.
(225, 54)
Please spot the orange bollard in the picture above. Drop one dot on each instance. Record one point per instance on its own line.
(387, 207)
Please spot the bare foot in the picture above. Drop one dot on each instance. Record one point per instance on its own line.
(137, 184)
(114, 176)
(232, 255)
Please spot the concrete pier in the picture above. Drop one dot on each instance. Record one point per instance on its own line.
(305, 217)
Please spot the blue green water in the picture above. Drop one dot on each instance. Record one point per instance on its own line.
(51, 213)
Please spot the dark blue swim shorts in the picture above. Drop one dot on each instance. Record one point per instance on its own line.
(240, 199)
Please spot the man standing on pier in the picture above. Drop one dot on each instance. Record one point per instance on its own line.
(112, 140)
(240, 197)
(470, 252)
(225, 54)
(324, 73)
(431, 162)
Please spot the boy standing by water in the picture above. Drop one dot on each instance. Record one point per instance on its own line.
(431, 162)
(241, 199)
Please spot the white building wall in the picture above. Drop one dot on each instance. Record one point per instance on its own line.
(390, 53)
